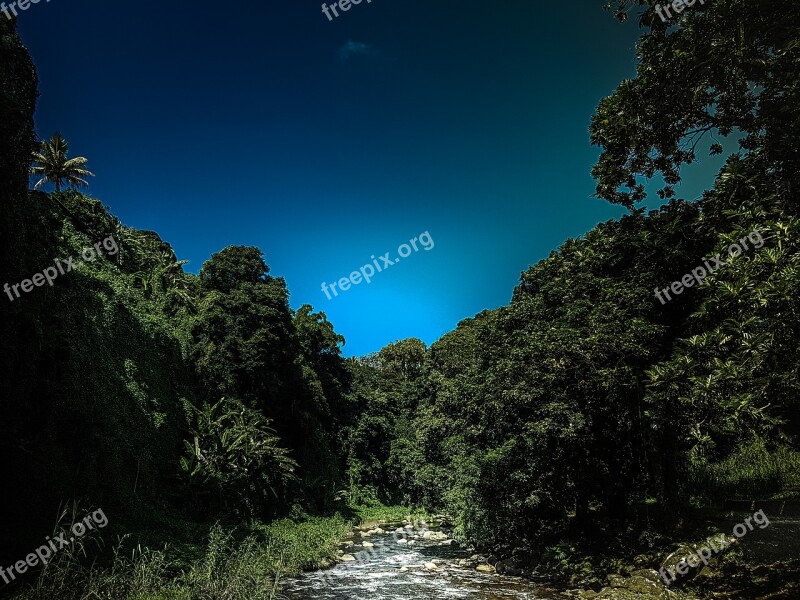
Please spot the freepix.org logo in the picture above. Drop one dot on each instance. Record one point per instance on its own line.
(367, 272)
(698, 275)
(716, 545)
(61, 267)
(677, 5)
(44, 553)
(343, 5)
(15, 7)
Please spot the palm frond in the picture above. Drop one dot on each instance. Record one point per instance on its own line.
(51, 161)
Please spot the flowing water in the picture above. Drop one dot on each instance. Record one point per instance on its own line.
(392, 571)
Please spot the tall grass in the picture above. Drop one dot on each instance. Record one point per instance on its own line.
(309, 545)
(751, 472)
(228, 569)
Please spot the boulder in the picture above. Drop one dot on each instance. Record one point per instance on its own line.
(508, 567)
(644, 584)
(688, 558)
(347, 558)
(434, 536)
(467, 563)
(616, 581)
(485, 569)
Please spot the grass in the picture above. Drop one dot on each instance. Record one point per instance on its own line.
(231, 566)
(752, 472)
(308, 545)
(228, 565)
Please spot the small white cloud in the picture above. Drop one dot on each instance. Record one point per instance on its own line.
(352, 49)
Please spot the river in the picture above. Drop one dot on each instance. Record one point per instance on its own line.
(392, 571)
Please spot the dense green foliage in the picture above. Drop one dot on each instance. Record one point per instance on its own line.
(234, 454)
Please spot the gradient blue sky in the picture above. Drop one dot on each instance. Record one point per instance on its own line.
(323, 143)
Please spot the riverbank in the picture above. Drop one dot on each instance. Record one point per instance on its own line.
(185, 561)
(420, 553)
(765, 564)
(762, 562)
(361, 547)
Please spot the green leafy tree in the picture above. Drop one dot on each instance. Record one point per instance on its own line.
(233, 268)
(246, 343)
(717, 70)
(320, 347)
(380, 446)
(243, 345)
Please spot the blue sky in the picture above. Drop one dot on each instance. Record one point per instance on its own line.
(326, 142)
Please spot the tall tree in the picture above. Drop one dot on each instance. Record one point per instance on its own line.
(247, 345)
(243, 342)
(54, 166)
(726, 69)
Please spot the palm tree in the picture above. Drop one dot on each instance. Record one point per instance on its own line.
(56, 168)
